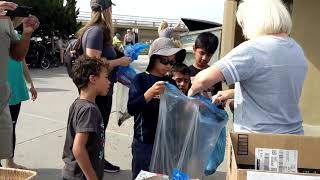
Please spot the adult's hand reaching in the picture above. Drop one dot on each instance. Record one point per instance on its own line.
(5, 5)
(30, 24)
(223, 96)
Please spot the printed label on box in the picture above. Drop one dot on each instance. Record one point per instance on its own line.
(276, 160)
(145, 175)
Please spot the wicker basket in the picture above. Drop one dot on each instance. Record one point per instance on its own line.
(17, 174)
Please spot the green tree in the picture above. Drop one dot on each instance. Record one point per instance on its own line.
(55, 17)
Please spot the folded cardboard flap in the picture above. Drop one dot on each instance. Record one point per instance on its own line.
(231, 160)
(244, 145)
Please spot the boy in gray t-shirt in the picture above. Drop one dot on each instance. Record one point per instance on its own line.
(83, 152)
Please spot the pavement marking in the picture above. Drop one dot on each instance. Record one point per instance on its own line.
(42, 117)
(54, 120)
(51, 132)
(37, 137)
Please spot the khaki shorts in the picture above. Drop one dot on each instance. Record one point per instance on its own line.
(5, 125)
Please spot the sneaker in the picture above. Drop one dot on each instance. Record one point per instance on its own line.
(109, 168)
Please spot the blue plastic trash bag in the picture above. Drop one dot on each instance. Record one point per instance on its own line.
(217, 155)
(125, 75)
(135, 50)
(187, 132)
(179, 175)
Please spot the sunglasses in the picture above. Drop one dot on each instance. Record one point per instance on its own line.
(166, 61)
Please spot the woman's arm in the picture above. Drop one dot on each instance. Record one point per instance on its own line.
(123, 61)
(177, 26)
(19, 50)
(93, 53)
(205, 79)
(27, 76)
(94, 47)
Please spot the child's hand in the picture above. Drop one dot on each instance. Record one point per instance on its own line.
(155, 90)
(34, 93)
(4, 5)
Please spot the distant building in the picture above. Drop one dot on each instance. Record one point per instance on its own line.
(147, 27)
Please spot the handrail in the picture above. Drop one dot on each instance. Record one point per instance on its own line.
(132, 20)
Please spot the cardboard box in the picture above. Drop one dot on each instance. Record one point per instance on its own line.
(241, 152)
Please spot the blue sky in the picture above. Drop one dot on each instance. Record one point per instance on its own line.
(211, 10)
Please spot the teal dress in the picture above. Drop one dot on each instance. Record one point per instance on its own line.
(17, 82)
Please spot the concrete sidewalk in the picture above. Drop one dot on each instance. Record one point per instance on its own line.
(41, 129)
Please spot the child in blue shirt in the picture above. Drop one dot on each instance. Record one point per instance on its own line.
(144, 99)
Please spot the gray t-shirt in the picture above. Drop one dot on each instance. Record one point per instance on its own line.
(270, 71)
(84, 117)
(93, 38)
(166, 33)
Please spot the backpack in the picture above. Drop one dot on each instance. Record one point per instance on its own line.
(72, 52)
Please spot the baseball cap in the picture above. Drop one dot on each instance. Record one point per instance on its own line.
(100, 4)
(165, 47)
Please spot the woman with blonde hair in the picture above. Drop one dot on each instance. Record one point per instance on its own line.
(165, 31)
(268, 71)
(96, 40)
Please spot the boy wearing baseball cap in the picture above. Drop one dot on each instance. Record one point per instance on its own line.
(144, 99)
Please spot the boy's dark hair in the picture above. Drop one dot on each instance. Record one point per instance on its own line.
(207, 41)
(84, 67)
(180, 68)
